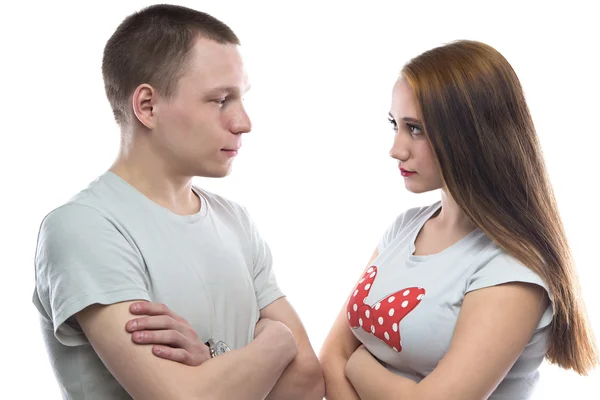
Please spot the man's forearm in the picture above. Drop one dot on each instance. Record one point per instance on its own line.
(301, 380)
(337, 386)
(248, 373)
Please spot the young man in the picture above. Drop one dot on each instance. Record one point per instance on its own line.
(141, 232)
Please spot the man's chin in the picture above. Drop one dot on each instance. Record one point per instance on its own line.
(216, 173)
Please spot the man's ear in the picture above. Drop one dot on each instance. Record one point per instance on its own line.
(143, 101)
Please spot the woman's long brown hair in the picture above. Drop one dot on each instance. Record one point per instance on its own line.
(481, 131)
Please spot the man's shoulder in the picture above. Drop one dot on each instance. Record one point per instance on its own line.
(85, 204)
(71, 218)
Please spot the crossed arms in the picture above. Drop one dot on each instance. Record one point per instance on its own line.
(278, 364)
(493, 327)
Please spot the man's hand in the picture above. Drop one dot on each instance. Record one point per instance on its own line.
(172, 336)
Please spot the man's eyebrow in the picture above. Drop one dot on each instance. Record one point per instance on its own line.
(222, 90)
(225, 90)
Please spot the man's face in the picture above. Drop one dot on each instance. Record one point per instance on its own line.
(199, 130)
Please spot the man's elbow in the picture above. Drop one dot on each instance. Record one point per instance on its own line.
(310, 378)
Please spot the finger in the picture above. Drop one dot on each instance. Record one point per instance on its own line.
(150, 308)
(170, 338)
(154, 323)
(161, 322)
(177, 355)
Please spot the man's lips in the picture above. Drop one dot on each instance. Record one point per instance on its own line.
(232, 152)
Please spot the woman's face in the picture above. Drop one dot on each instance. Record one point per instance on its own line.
(411, 147)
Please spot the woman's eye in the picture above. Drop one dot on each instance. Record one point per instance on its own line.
(394, 125)
(414, 129)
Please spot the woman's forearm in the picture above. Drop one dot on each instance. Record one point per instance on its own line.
(372, 381)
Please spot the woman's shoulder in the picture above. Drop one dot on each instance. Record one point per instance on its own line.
(415, 214)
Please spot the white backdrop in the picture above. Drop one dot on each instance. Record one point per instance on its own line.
(314, 172)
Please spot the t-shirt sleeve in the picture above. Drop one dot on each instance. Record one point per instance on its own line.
(83, 259)
(504, 269)
(265, 282)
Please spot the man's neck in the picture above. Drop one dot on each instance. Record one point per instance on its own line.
(150, 175)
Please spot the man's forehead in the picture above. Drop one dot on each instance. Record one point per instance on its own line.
(206, 51)
(220, 65)
(207, 54)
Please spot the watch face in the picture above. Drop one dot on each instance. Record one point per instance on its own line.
(220, 348)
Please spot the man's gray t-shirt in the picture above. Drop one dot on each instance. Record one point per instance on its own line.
(110, 243)
(405, 307)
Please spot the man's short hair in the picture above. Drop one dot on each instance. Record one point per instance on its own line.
(153, 46)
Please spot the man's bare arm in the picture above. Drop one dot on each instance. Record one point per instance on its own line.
(302, 379)
(249, 373)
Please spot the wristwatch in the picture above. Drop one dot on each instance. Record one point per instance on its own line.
(217, 347)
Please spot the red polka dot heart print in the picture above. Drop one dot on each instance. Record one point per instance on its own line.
(382, 319)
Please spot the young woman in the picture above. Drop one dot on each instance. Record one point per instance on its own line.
(462, 299)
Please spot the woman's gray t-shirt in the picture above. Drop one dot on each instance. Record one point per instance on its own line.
(405, 307)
